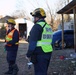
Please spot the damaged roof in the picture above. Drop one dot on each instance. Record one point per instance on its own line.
(68, 9)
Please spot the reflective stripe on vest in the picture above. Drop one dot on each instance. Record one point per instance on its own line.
(43, 43)
(9, 37)
(46, 38)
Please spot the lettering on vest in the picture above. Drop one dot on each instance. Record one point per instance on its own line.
(48, 29)
(47, 36)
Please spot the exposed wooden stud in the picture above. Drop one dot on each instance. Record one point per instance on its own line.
(74, 11)
(62, 31)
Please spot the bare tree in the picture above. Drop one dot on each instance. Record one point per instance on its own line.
(18, 14)
(51, 15)
(62, 3)
(22, 10)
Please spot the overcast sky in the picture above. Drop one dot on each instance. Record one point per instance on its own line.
(9, 6)
(6, 6)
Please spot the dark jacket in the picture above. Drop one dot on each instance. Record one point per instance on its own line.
(35, 35)
(14, 40)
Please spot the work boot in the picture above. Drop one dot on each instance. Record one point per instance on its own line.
(15, 69)
(10, 71)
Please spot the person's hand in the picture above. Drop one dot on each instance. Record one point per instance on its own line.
(28, 58)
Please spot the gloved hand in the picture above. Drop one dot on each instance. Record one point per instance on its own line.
(29, 63)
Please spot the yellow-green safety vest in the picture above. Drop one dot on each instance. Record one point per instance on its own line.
(46, 38)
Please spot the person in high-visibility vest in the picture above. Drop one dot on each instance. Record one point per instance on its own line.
(40, 40)
(11, 46)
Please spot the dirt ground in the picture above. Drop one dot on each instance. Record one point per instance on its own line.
(57, 66)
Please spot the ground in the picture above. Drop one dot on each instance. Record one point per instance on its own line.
(58, 64)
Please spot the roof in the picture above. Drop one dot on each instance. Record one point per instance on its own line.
(20, 20)
(68, 9)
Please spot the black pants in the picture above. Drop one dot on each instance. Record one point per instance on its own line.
(42, 64)
(11, 57)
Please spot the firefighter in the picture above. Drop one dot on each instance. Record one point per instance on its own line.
(11, 46)
(40, 39)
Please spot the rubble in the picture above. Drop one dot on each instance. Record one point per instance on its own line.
(61, 63)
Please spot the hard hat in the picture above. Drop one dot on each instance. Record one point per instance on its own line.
(39, 12)
(11, 21)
